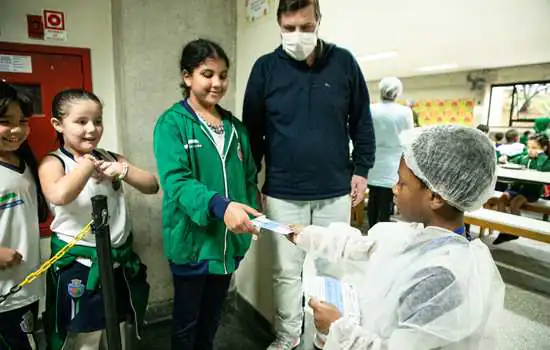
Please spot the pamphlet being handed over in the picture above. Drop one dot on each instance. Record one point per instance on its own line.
(262, 222)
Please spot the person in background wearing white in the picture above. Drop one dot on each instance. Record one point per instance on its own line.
(423, 285)
(512, 147)
(389, 119)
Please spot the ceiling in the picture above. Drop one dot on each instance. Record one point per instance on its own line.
(399, 37)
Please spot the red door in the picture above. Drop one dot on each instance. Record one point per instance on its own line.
(52, 69)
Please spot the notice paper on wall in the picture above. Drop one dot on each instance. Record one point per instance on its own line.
(15, 64)
(256, 9)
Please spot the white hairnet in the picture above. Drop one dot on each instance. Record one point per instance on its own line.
(456, 162)
(390, 88)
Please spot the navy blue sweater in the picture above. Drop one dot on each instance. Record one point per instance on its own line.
(301, 119)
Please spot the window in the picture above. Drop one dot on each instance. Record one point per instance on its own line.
(519, 104)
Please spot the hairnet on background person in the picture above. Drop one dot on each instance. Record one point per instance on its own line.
(456, 162)
(390, 88)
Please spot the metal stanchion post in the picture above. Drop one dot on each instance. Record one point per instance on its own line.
(100, 215)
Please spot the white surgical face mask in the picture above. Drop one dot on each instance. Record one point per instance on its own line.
(299, 45)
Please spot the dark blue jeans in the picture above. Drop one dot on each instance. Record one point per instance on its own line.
(198, 302)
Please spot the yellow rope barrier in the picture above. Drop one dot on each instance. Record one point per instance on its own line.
(48, 263)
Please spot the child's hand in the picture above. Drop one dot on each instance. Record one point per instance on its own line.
(90, 162)
(237, 219)
(9, 258)
(296, 230)
(503, 159)
(86, 160)
(324, 314)
(110, 170)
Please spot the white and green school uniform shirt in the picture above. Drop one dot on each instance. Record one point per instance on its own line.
(19, 230)
(71, 218)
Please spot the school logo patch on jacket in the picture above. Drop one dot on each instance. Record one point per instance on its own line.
(10, 200)
(76, 288)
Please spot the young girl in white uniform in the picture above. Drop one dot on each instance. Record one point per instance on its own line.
(71, 176)
(21, 206)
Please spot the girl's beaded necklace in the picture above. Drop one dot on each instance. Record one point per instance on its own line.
(218, 129)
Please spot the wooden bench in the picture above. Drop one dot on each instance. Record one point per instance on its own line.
(358, 212)
(516, 225)
(504, 222)
(358, 215)
(542, 206)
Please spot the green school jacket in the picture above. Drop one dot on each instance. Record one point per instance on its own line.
(541, 163)
(541, 124)
(191, 172)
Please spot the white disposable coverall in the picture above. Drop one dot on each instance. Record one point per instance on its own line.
(419, 287)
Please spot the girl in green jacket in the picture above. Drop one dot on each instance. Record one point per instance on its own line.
(208, 176)
(519, 192)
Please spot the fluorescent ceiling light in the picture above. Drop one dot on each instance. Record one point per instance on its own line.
(378, 56)
(445, 66)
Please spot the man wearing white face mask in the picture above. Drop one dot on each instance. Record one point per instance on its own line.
(303, 103)
(299, 45)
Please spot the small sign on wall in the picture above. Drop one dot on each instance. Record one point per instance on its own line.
(54, 25)
(256, 9)
(35, 27)
(15, 64)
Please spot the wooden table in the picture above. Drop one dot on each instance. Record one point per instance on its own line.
(526, 175)
(517, 225)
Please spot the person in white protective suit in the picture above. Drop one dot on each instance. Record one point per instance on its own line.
(423, 285)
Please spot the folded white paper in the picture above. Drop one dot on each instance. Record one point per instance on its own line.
(335, 292)
(270, 225)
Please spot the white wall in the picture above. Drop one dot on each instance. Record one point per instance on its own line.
(253, 40)
(88, 25)
(472, 34)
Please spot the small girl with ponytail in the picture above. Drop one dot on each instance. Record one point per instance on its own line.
(70, 177)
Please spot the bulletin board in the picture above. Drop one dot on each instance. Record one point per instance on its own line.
(457, 111)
